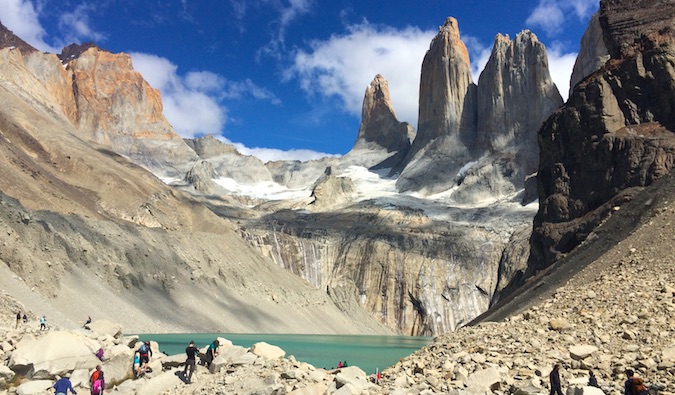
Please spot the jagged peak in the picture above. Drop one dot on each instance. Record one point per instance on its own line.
(73, 51)
(8, 40)
(449, 34)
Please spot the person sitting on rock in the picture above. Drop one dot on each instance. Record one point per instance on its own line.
(592, 380)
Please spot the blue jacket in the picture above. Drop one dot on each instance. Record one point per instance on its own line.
(63, 385)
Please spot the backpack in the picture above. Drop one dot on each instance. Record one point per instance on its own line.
(638, 386)
(97, 387)
(143, 349)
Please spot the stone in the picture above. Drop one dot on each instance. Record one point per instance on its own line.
(105, 327)
(483, 380)
(118, 365)
(310, 389)
(159, 384)
(268, 351)
(559, 324)
(34, 387)
(582, 351)
(54, 353)
(6, 373)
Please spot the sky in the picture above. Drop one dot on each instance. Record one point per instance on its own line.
(285, 79)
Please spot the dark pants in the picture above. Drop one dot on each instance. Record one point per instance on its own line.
(189, 364)
(556, 390)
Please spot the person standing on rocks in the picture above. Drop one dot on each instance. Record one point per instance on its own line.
(18, 320)
(43, 323)
(191, 352)
(145, 352)
(62, 386)
(554, 377)
(211, 352)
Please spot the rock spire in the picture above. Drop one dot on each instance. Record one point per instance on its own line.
(378, 119)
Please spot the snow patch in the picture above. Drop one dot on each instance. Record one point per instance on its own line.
(266, 190)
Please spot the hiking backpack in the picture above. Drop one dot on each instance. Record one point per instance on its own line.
(97, 387)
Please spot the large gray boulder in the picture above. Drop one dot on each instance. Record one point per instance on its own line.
(34, 387)
(105, 327)
(159, 384)
(54, 353)
(268, 351)
(118, 365)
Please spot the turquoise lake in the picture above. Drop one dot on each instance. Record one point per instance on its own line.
(322, 351)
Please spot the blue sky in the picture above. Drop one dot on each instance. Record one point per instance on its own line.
(284, 79)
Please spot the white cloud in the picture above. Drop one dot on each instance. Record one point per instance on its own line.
(21, 17)
(272, 154)
(76, 26)
(550, 15)
(192, 103)
(560, 65)
(479, 55)
(344, 65)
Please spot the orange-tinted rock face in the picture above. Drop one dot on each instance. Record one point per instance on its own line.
(117, 108)
(114, 100)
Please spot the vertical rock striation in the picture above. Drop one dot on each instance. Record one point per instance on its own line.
(383, 141)
(447, 114)
(616, 131)
(480, 139)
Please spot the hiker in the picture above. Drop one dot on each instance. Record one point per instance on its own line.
(137, 366)
(62, 385)
(191, 351)
(43, 323)
(592, 380)
(97, 381)
(25, 318)
(211, 353)
(634, 385)
(18, 320)
(145, 352)
(554, 377)
(345, 364)
(339, 364)
(99, 354)
(85, 326)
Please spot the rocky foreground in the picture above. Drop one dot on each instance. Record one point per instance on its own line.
(615, 314)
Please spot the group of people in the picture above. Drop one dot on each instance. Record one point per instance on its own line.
(20, 317)
(23, 317)
(632, 386)
(96, 383)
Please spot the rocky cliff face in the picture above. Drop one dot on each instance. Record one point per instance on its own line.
(592, 52)
(616, 131)
(415, 272)
(481, 139)
(119, 109)
(447, 114)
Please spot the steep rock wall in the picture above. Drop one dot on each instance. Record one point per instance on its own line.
(417, 275)
(617, 130)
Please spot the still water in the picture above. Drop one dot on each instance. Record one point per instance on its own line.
(323, 351)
